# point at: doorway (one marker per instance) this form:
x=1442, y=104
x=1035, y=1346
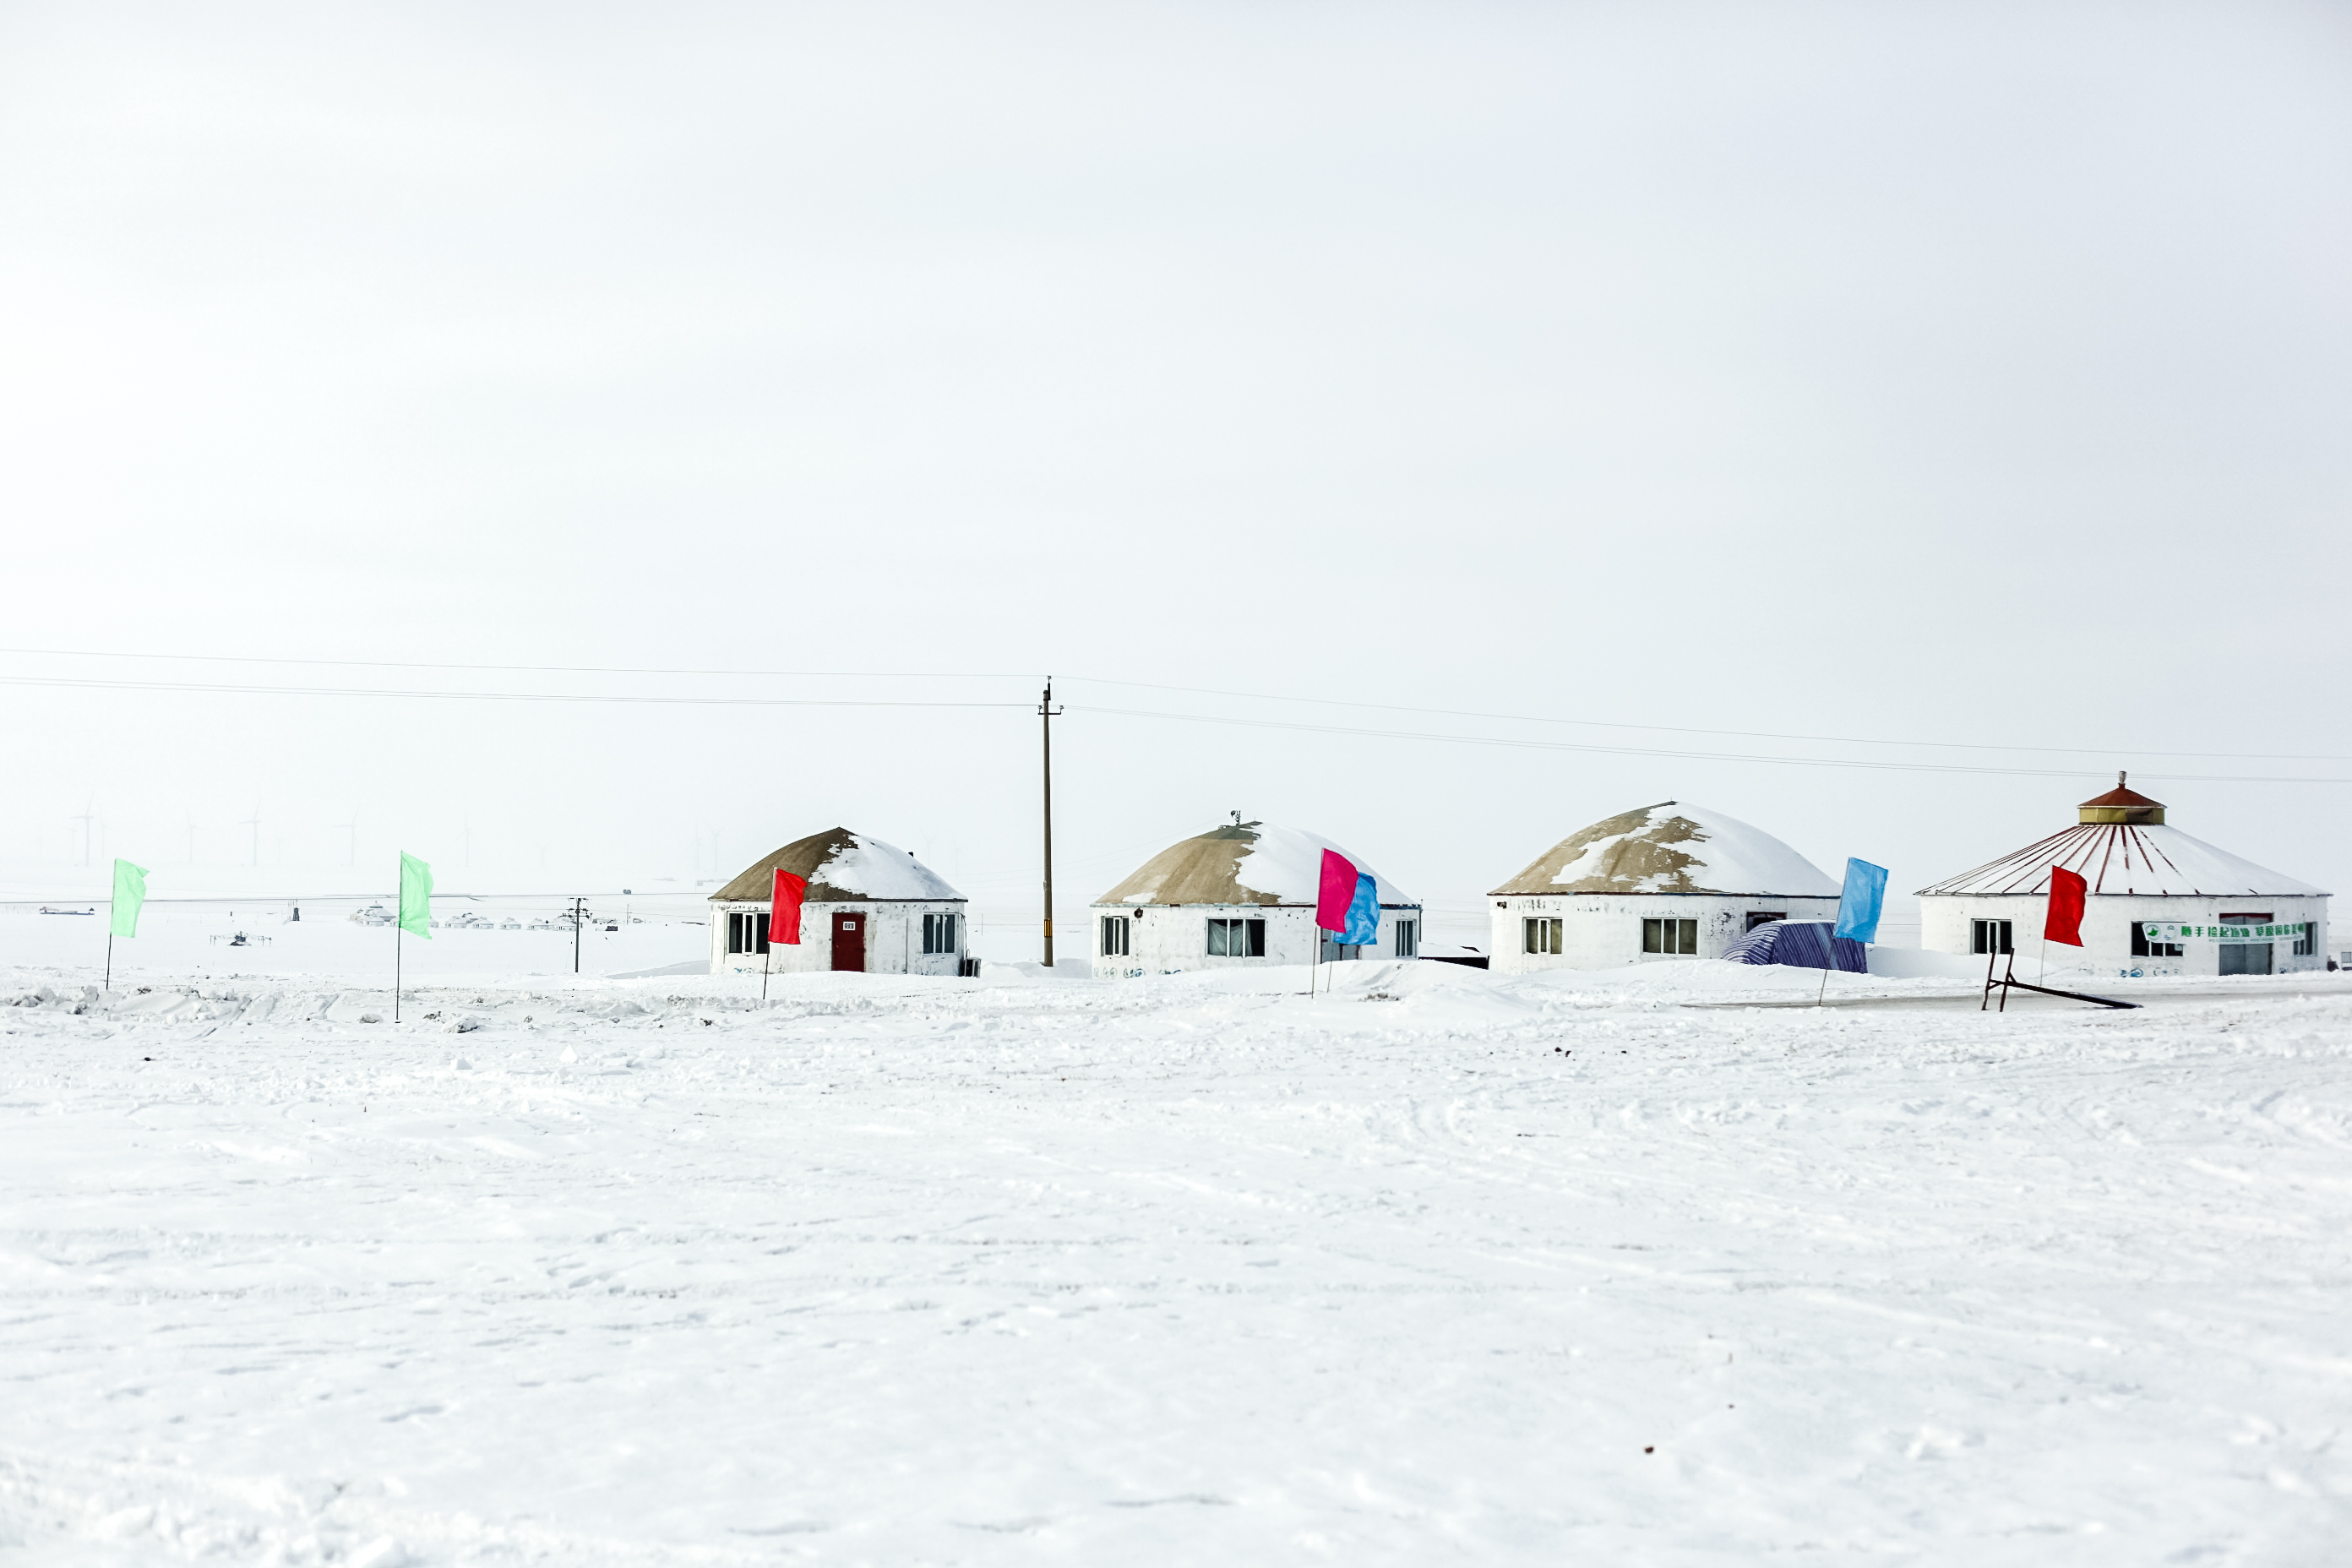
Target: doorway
x=2245, y=958
x=849, y=942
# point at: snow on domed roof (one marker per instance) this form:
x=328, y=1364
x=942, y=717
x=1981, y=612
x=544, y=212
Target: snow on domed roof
x=2118, y=857
x=1672, y=848
x=1242, y=863
x=842, y=867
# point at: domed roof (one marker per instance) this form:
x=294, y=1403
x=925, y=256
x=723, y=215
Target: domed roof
x=1672, y=848
x=2139, y=858
x=1242, y=863
x=842, y=867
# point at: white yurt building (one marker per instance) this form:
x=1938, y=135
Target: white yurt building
x=871, y=908
x=1664, y=881
x=1238, y=897
x=2140, y=869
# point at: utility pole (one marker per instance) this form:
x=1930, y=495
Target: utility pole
x=578, y=917
x=1045, y=712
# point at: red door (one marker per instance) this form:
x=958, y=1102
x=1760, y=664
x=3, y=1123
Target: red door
x=849, y=942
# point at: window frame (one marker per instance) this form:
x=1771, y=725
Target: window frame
x=941, y=932
x=1224, y=929
x=1669, y=936
x=1983, y=931
x=1408, y=938
x=1114, y=936
x=1543, y=935
x=747, y=933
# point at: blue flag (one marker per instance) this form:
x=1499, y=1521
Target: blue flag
x=1363, y=913
x=1865, y=895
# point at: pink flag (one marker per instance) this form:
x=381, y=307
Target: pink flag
x=1338, y=891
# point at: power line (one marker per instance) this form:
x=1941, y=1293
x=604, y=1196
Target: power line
x=538, y=668
x=1688, y=757
x=486, y=695
x=77, y=683
x=1022, y=675
x=1729, y=734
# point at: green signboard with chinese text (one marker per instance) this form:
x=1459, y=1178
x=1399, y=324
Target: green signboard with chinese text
x=2178, y=931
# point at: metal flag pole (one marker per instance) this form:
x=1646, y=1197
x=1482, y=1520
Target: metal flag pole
x=398, y=931
x=109, y=948
x=576, y=904
x=767, y=945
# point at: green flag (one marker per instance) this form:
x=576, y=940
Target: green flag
x=130, y=896
x=416, y=896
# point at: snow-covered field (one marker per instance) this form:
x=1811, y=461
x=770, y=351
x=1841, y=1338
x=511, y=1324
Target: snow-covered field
x=1437, y=1268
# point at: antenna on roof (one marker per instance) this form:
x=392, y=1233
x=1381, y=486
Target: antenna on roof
x=2120, y=776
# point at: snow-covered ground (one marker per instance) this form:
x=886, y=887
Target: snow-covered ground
x=1195, y=1269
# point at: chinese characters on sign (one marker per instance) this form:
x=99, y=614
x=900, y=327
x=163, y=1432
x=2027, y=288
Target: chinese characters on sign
x=2174, y=931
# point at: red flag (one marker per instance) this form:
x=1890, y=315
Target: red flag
x=2066, y=919
x=784, y=919
x=1337, y=892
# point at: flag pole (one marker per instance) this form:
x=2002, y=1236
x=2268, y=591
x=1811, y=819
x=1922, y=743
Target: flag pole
x=766, y=946
x=109, y=948
x=398, y=931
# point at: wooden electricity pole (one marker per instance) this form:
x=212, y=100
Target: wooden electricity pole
x=1045, y=712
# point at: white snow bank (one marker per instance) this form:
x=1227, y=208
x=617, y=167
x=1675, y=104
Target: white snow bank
x=1435, y=1266
x=1918, y=963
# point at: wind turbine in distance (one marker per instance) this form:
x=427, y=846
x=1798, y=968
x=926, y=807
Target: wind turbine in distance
x=254, y=822
x=192, y=838
x=86, y=817
x=352, y=845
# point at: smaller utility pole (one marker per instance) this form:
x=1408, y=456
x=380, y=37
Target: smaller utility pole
x=579, y=907
x=1046, y=712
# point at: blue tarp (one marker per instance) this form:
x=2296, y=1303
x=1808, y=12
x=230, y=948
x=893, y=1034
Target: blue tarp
x=1801, y=944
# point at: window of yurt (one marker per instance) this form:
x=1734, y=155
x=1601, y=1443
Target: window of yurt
x=939, y=934
x=747, y=933
x=1544, y=935
x=1408, y=939
x=2307, y=943
x=1114, y=936
x=2143, y=948
x=1760, y=917
x=1236, y=938
x=1670, y=936
x=1988, y=936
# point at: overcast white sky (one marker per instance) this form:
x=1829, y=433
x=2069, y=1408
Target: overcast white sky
x=1972, y=373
